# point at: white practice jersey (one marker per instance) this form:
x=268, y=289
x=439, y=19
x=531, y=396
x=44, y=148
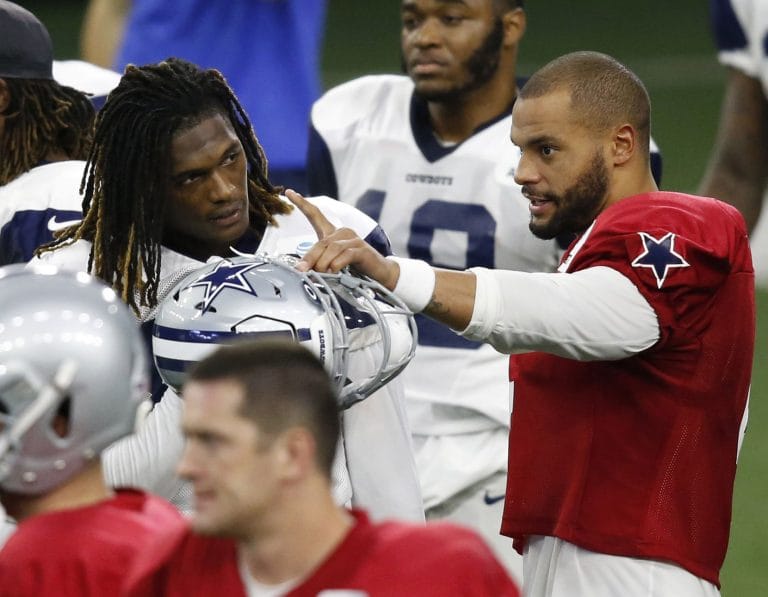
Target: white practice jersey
x=741, y=28
x=89, y=78
x=376, y=435
x=35, y=205
x=453, y=206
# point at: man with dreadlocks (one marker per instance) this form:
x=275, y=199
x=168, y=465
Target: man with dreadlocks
x=45, y=133
x=176, y=176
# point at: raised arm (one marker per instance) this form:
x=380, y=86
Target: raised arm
x=102, y=30
x=738, y=168
x=594, y=314
x=445, y=295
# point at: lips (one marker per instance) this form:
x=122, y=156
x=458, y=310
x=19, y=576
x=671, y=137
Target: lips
x=203, y=497
x=226, y=216
x=426, y=65
x=538, y=204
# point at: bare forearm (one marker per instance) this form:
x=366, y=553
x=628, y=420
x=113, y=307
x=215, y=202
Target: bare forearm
x=738, y=169
x=453, y=299
x=102, y=30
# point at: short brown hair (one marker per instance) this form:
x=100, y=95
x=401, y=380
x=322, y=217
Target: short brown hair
x=604, y=92
x=284, y=385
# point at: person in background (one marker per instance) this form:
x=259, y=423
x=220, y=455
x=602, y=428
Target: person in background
x=45, y=134
x=738, y=167
x=177, y=177
x=245, y=40
x=261, y=427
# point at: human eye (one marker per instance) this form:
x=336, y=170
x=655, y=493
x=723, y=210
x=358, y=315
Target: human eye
x=189, y=178
x=209, y=441
x=231, y=157
x=547, y=151
x=452, y=20
x=409, y=21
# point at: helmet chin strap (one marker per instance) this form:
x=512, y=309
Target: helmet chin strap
x=48, y=395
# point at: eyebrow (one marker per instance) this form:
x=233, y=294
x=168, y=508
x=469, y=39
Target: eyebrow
x=540, y=140
x=235, y=145
x=411, y=6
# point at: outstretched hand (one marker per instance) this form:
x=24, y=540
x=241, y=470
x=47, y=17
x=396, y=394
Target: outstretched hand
x=342, y=247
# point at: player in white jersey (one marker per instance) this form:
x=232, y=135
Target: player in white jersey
x=738, y=166
x=428, y=156
x=205, y=194
x=89, y=78
x=45, y=132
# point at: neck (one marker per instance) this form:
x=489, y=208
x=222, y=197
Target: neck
x=633, y=183
x=298, y=538
x=455, y=119
x=56, y=155
x=84, y=489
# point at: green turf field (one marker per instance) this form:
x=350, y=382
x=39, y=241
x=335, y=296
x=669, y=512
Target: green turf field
x=668, y=45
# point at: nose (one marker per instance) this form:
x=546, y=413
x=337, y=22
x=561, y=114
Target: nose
x=526, y=171
x=186, y=468
x=221, y=188
x=427, y=34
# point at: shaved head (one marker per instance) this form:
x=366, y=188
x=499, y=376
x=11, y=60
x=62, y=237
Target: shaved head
x=604, y=92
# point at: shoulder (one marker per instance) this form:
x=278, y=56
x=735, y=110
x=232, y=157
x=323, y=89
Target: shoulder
x=55, y=185
x=356, y=99
x=72, y=257
x=152, y=509
x=85, y=76
x=338, y=213
x=678, y=212
x=174, y=565
x=739, y=27
x=343, y=214
x=667, y=242
x=464, y=560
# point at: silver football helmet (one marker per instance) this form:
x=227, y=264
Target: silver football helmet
x=259, y=295
x=68, y=345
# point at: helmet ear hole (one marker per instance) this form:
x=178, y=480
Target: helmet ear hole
x=201, y=307
x=62, y=421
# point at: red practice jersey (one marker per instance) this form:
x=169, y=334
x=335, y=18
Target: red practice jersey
x=83, y=552
x=637, y=457
x=380, y=560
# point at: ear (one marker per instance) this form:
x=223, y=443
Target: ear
x=514, y=23
x=295, y=451
x=5, y=96
x=624, y=144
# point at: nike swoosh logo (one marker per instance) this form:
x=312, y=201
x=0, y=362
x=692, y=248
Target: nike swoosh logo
x=492, y=499
x=55, y=226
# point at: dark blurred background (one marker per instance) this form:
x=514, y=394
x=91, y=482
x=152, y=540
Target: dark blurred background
x=668, y=44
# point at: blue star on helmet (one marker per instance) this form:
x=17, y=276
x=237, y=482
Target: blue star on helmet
x=659, y=255
x=225, y=275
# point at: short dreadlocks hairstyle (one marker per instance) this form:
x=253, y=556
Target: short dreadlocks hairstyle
x=127, y=177
x=43, y=116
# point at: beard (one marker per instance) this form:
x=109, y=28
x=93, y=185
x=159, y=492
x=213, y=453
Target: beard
x=577, y=206
x=480, y=67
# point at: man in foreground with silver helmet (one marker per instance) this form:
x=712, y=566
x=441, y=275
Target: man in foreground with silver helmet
x=177, y=177
x=73, y=379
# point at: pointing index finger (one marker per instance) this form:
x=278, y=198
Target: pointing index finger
x=319, y=222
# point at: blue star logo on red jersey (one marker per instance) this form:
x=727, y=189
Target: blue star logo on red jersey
x=659, y=255
x=225, y=275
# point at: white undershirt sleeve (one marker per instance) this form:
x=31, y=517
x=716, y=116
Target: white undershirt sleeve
x=148, y=458
x=592, y=314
